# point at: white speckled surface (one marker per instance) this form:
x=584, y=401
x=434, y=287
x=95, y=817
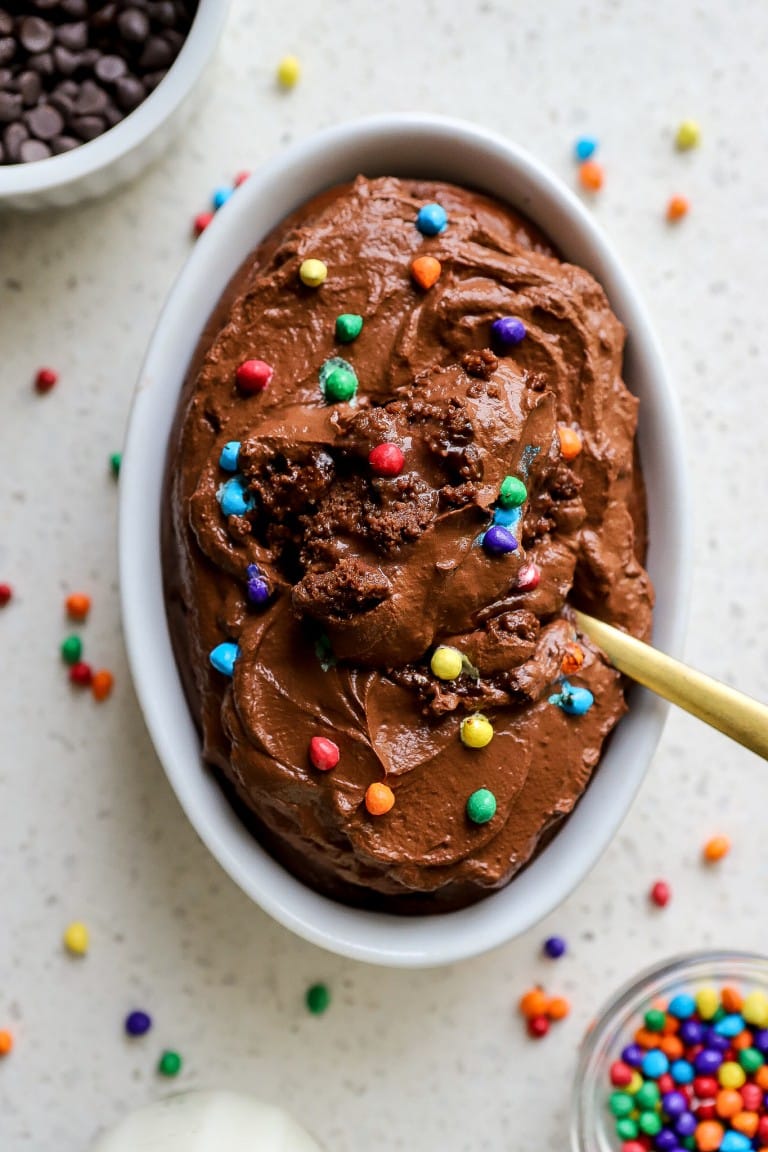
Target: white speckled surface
x=90, y=829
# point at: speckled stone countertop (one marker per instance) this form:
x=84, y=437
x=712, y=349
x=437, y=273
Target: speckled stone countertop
x=90, y=828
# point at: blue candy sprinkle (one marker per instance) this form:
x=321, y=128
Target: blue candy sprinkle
x=735, y=1142
x=498, y=541
x=585, y=147
x=555, y=947
x=507, y=332
x=682, y=1006
x=234, y=497
x=574, y=701
x=655, y=1064
x=681, y=1072
x=507, y=517
x=432, y=220
x=229, y=455
x=223, y=657
x=730, y=1025
x=220, y=197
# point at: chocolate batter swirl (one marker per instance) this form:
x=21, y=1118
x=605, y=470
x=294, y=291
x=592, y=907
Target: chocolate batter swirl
x=368, y=573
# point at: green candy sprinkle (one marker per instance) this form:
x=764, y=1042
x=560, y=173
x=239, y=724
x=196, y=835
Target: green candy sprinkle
x=348, y=327
x=318, y=999
x=512, y=492
x=621, y=1104
x=655, y=1020
x=647, y=1095
x=481, y=806
x=115, y=461
x=689, y=1143
x=649, y=1123
x=169, y=1063
x=338, y=380
x=71, y=649
x=627, y=1129
x=750, y=1059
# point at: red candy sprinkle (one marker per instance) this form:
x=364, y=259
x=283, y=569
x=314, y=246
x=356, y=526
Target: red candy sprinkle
x=632, y=1146
x=621, y=1074
x=254, y=376
x=81, y=674
x=201, y=222
x=666, y=1084
x=706, y=1111
x=528, y=577
x=386, y=460
x=538, y=1026
x=752, y=1096
x=46, y=379
x=6, y=594
x=661, y=893
x=323, y=753
x=241, y=178
x=762, y=1131
x=706, y=1087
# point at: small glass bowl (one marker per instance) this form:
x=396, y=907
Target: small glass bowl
x=592, y=1124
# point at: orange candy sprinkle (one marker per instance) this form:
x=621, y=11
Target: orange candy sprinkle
x=6, y=1042
x=677, y=207
x=731, y=999
x=558, y=1008
x=646, y=1038
x=78, y=605
x=379, y=799
x=534, y=1002
x=591, y=175
x=716, y=848
x=570, y=442
x=709, y=1135
x=102, y=683
x=743, y=1040
x=426, y=271
x=573, y=659
x=728, y=1102
x=745, y=1122
x=761, y=1077
x=672, y=1047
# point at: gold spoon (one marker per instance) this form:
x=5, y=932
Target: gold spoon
x=731, y=712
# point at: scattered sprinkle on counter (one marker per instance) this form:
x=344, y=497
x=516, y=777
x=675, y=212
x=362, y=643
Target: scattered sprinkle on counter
x=585, y=148
x=539, y=1010
x=220, y=196
x=71, y=649
x=318, y=999
x=45, y=380
x=137, y=1023
x=677, y=208
x=555, y=947
x=323, y=753
x=481, y=806
x=170, y=1063
x=379, y=799
x=660, y=893
x=591, y=176
x=313, y=273
x=253, y=376
x=288, y=72
x=476, y=731
x=102, y=683
x=716, y=848
x=688, y=135
x=81, y=674
x=6, y=1042
x=201, y=222
x=115, y=460
x=76, y=938
x=432, y=220
x=426, y=271
x=77, y=605
x=386, y=460
x=6, y=594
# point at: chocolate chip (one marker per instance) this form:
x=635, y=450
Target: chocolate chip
x=76, y=8
x=91, y=99
x=110, y=68
x=13, y=138
x=62, y=103
x=7, y=49
x=6, y=23
x=129, y=93
x=113, y=115
x=42, y=63
x=33, y=150
x=88, y=127
x=163, y=12
x=36, y=34
x=152, y=79
x=104, y=17
x=73, y=36
x=133, y=25
x=10, y=107
x=29, y=86
x=157, y=53
x=64, y=144
x=44, y=122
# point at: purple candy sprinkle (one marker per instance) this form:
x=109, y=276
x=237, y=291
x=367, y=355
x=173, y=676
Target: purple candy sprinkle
x=691, y=1032
x=633, y=1055
x=507, y=333
x=555, y=947
x=685, y=1125
x=257, y=588
x=137, y=1023
x=498, y=540
x=760, y=1039
x=715, y=1041
x=674, y=1104
x=666, y=1141
x=707, y=1061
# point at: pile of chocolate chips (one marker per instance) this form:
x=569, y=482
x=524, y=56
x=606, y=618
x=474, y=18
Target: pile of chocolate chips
x=71, y=69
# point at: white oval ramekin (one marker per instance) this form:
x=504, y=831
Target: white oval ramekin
x=122, y=152
x=427, y=147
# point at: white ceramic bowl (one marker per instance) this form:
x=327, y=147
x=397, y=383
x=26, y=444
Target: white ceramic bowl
x=123, y=151
x=434, y=148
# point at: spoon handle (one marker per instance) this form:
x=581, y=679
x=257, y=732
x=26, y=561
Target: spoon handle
x=731, y=712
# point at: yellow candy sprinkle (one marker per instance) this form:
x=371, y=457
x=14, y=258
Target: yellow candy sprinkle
x=707, y=1002
x=446, y=662
x=288, y=72
x=755, y=1009
x=476, y=731
x=76, y=938
x=731, y=1075
x=635, y=1084
x=313, y=273
x=688, y=135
